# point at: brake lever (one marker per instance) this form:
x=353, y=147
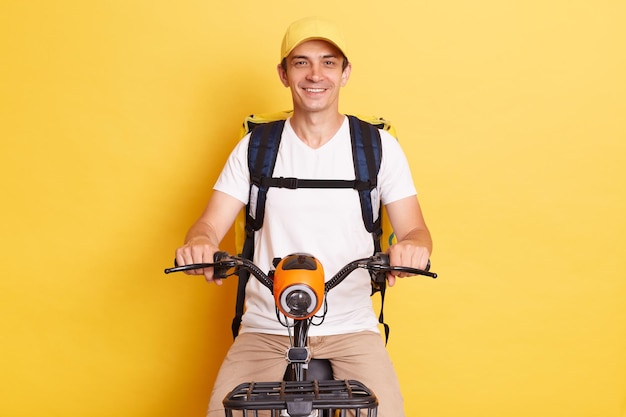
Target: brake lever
x=415, y=271
x=181, y=268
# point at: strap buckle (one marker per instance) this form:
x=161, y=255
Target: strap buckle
x=291, y=183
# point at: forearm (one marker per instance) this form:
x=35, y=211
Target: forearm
x=414, y=242
x=201, y=231
x=408, y=224
x=216, y=220
x=204, y=236
x=419, y=237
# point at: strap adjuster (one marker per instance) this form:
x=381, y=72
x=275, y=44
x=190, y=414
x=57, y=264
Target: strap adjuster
x=280, y=182
x=291, y=183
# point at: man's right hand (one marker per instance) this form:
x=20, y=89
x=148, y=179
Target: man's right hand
x=198, y=250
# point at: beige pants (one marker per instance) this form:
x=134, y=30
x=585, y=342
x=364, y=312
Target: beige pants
x=359, y=356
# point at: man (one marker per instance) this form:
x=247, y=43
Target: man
x=327, y=223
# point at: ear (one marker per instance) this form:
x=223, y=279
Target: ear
x=345, y=76
x=282, y=74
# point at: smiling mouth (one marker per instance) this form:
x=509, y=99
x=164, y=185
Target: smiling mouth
x=314, y=90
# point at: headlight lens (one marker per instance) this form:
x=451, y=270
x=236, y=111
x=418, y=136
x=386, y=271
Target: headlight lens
x=298, y=301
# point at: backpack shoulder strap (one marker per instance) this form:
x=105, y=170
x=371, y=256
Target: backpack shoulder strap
x=367, y=156
x=262, y=153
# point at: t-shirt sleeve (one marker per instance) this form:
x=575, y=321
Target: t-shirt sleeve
x=395, y=181
x=234, y=179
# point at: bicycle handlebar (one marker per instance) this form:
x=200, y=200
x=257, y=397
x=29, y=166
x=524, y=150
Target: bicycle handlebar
x=378, y=265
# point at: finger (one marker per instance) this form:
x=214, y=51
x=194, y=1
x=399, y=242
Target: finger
x=207, y=257
x=422, y=259
x=183, y=257
x=399, y=256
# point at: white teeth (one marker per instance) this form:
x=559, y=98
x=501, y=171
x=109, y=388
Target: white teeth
x=314, y=90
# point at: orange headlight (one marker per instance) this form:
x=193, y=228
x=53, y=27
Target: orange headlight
x=299, y=286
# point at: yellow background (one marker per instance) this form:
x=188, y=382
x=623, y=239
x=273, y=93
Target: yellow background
x=116, y=117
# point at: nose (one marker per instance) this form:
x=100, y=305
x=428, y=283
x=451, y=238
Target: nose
x=315, y=74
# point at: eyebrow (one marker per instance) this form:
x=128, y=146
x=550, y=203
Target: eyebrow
x=308, y=58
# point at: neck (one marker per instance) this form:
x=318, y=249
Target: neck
x=316, y=129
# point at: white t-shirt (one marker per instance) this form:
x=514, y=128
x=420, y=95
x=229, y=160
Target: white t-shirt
x=326, y=223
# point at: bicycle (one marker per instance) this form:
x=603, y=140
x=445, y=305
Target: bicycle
x=308, y=388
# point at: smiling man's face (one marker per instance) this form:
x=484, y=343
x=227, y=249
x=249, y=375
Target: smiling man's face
x=314, y=72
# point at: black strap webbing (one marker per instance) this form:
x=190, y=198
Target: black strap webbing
x=293, y=183
x=243, y=276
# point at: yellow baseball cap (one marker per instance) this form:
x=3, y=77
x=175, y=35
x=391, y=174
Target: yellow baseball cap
x=311, y=28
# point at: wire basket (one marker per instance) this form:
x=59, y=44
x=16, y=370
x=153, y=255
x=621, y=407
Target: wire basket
x=301, y=399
